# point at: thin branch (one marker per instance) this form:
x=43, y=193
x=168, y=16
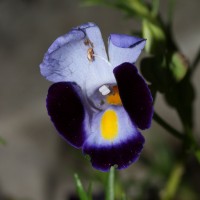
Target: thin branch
x=169, y=128
x=196, y=61
x=155, y=7
x=171, y=11
x=173, y=182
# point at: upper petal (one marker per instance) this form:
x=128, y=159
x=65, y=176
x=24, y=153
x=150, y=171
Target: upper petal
x=113, y=140
x=135, y=94
x=124, y=48
x=67, y=59
x=67, y=112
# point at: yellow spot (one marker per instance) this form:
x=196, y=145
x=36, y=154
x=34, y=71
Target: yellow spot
x=114, y=97
x=109, y=125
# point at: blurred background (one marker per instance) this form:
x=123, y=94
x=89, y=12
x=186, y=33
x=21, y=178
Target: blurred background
x=35, y=163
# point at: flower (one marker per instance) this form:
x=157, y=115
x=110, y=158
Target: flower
x=97, y=104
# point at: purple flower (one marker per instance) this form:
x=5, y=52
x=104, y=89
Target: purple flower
x=97, y=104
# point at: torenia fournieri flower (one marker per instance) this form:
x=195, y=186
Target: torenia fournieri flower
x=97, y=104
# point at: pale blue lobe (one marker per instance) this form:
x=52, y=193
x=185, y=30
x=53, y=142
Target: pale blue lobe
x=124, y=48
x=67, y=59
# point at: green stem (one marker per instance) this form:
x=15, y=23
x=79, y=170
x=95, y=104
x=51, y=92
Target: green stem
x=169, y=128
x=187, y=138
x=174, y=180
x=171, y=11
x=2, y=141
x=196, y=61
x=110, y=184
x=155, y=7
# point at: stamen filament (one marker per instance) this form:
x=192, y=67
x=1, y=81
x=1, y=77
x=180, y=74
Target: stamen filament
x=95, y=55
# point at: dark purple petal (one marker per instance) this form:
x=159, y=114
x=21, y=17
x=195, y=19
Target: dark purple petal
x=135, y=94
x=119, y=155
x=66, y=111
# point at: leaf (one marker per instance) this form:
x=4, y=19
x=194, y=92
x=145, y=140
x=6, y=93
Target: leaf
x=80, y=190
x=89, y=191
x=155, y=36
x=181, y=96
x=155, y=71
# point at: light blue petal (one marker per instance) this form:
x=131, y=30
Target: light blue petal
x=99, y=75
x=67, y=58
x=124, y=48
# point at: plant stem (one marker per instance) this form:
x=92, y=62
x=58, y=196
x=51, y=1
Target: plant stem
x=155, y=7
x=110, y=184
x=171, y=11
x=196, y=61
x=169, y=128
x=2, y=141
x=172, y=185
x=174, y=180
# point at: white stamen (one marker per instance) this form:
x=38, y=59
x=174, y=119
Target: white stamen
x=104, y=90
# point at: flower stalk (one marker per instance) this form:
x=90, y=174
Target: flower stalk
x=173, y=182
x=110, y=193
x=166, y=126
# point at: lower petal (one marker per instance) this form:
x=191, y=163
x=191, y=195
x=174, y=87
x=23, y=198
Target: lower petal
x=67, y=113
x=114, y=140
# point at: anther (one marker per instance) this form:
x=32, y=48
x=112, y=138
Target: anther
x=90, y=54
x=104, y=90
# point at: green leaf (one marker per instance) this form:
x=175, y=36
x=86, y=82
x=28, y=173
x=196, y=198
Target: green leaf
x=181, y=95
x=89, y=192
x=155, y=36
x=155, y=71
x=79, y=187
x=139, y=7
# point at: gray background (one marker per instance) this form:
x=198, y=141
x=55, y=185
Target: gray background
x=36, y=164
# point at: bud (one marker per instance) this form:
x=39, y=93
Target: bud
x=178, y=66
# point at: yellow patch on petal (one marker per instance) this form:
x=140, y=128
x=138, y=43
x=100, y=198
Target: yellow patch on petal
x=114, y=97
x=109, y=125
